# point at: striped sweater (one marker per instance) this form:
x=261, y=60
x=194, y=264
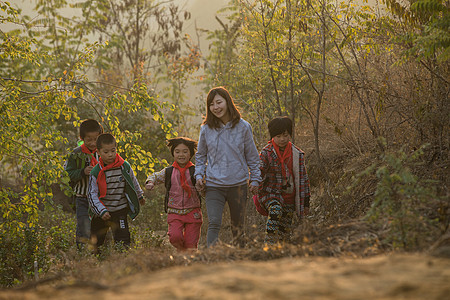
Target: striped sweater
x=122, y=191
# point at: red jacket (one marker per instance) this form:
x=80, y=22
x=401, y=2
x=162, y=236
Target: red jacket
x=272, y=181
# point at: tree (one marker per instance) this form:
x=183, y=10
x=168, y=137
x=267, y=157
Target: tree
x=427, y=34
x=146, y=44
x=33, y=149
x=142, y=41
x=275, y=53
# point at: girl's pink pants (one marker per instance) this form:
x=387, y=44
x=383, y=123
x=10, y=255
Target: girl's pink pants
x=184, y=230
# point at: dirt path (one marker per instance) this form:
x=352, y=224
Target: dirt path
x=381, y=277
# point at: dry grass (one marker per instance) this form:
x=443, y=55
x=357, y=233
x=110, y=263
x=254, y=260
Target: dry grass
x=352, y=239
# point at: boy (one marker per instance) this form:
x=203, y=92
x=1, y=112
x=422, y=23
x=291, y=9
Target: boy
x=78, y=165
x=182, y=202
x=285, y=185
x=113, y=193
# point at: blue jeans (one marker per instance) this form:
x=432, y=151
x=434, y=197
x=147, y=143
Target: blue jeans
x=83, y=232
x=215, y=199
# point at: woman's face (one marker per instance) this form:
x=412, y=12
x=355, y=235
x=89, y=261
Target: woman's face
x=219, y=108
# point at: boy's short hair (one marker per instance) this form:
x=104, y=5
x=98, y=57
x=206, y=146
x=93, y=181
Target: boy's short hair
x=190, y=143
x=90, y=125
x=105, y=139
x=280, y=125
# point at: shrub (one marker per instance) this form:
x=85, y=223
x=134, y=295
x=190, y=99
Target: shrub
x=43, y=243
x=18, y=253
x=402, y=200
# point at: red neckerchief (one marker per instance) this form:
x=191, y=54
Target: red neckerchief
x=184, y=184
x=101, y=177
x=283, y=158
x=86, y=150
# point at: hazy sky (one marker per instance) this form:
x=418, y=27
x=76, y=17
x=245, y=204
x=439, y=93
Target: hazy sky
x=202, y=14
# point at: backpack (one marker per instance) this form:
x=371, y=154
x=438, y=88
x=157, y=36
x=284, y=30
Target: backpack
x=168, y=183
x=259, y=207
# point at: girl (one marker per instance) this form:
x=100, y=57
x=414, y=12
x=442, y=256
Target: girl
x=182, y=202
x=285, y=187
x=226, y=152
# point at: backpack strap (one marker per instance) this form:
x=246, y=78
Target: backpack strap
x=192, y=172
x=167, y=184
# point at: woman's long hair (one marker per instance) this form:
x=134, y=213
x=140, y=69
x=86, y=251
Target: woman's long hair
x=211, y=119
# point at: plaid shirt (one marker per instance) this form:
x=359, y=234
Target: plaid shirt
x=272, y=179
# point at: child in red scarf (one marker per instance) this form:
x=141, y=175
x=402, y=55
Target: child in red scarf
x=285, y=184
x=182, y=202
x=113, y=193
x=78, y=165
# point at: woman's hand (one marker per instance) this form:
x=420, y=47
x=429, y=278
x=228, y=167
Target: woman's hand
x=199, y=185
x=254, y=189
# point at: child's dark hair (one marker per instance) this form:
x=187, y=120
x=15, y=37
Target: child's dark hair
x=190, y=143
x=280, y=125
x=105, y=139
x=212, y=120
x=90, y=125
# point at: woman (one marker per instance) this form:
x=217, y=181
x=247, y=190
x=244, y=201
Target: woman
x=226, y=153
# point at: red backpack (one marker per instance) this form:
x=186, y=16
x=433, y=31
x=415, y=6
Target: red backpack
x=259, y=208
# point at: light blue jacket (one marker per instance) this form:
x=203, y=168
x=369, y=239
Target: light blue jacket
x=225, y=155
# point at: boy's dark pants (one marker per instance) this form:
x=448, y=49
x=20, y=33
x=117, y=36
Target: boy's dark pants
x=118, y=224
x=83, y=222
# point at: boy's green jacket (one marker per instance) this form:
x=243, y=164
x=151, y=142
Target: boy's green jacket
x=130, y=191
x=75, y=164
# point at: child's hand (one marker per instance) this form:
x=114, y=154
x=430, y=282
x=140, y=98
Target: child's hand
x=106, y=216
x=199, y=185
x=142, y=201
x=88, y=170
x=149, y=185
